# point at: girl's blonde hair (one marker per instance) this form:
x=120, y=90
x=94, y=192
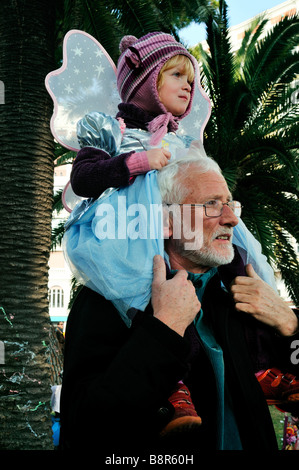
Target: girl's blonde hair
x=174, y=61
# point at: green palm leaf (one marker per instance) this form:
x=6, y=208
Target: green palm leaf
x=252, y=132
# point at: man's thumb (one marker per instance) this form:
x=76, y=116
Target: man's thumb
x=251, y=272
x=159, y=270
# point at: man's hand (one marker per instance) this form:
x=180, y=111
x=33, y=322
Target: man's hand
x=157, y=158
x=174, y=301
x=254, y=296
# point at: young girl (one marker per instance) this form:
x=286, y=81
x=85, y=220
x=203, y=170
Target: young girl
x=156, y=81
x=134, y=139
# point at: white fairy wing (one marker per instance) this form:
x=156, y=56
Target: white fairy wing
x=85, y=82
x=194, y=124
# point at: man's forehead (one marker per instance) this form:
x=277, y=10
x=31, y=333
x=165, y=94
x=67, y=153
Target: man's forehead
x=205, y=186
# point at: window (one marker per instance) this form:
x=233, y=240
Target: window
x=56, y=297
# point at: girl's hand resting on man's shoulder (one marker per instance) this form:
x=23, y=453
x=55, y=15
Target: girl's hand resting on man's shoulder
x=157, y=158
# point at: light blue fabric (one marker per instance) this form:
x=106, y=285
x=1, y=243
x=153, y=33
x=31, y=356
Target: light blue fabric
x=111, y=247
x=121, y=268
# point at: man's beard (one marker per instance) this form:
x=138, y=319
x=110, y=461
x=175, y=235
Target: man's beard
x=207, y=256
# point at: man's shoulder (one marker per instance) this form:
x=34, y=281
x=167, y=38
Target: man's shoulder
x=93, y=308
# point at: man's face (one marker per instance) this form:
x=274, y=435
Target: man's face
x=215, y=246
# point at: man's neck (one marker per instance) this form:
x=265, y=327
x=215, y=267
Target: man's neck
x=177, y=261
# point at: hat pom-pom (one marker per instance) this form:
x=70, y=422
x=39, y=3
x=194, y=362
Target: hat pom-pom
x=126, y=42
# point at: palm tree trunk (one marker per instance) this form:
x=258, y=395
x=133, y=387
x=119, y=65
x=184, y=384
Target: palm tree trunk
x=26, y=186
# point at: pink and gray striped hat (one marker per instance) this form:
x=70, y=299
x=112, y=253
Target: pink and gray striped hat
x=137, y=72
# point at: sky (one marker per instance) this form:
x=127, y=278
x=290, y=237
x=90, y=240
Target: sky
x=238, y=11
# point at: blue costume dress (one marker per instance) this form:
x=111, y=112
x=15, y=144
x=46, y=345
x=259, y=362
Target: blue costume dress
x=110, y=242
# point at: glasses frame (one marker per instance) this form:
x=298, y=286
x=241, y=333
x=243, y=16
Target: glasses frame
x=205, y=206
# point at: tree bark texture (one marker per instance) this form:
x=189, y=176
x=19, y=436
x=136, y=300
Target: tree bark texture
x=26, y=189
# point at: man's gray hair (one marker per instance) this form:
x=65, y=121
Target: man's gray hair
x=171, y=177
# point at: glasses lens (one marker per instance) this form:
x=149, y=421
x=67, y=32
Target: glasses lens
x=214, y=208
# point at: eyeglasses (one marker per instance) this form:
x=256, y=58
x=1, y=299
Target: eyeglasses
x=214, y=208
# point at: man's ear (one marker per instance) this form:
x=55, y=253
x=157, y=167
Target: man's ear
x=167, y=224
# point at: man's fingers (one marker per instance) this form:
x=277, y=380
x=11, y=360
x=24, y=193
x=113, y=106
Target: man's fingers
x=159, y=270
x=242, y=297
x=244, y=307
x=248, y=280
x=182, y=273
x=243, y=281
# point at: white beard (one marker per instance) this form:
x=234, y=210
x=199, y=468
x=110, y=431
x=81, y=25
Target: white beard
x=207, y=256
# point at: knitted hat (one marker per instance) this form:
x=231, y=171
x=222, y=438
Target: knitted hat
x=137, y=72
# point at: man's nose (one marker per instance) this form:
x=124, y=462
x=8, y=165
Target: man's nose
x=228, y=217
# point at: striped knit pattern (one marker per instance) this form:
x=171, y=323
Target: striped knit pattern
x=139, y=61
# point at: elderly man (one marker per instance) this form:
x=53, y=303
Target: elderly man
x=117, y=380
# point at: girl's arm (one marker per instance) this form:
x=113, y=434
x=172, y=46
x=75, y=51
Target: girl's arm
x=94, y=170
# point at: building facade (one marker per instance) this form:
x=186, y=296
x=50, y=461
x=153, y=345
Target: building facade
x=60, y=276
x=274, y=15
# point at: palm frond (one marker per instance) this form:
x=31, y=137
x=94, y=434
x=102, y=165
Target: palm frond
x=57, y=202
x=264, y=65
x=287, y=262
x=62, y=156
x=253, y=130
x=249, y=41
x=57, y=235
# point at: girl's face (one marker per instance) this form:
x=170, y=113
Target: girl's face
x=174, y=92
